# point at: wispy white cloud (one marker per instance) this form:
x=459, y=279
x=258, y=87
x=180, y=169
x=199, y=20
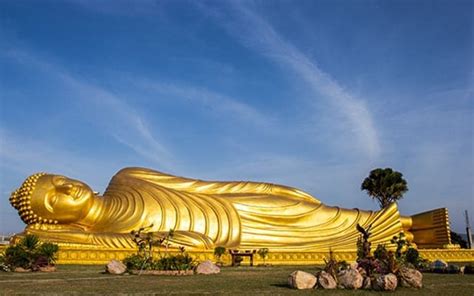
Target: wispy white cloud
x=25, y=155
x=111, y=112
x=223, y=105
x=255, y=32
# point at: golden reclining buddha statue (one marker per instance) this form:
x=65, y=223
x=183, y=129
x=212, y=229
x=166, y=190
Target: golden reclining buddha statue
x=206, y=214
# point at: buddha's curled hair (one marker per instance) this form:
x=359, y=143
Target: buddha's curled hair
x=20, y=199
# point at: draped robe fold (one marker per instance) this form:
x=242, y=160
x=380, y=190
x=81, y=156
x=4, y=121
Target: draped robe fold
x=237, y=214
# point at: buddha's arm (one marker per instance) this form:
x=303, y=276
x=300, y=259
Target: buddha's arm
x=63, y=234
x=69, y=234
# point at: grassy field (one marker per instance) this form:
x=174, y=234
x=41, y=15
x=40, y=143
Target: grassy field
x=80, y=280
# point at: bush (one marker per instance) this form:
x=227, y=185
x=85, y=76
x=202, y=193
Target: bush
x=263, y=253
x=49, y=251
x=143, y=259
x=469, y=269
x=135, y=262
x=30, y=253
x=169, y=262
x=218, y=252
x=332, y=266
x=381, y=253
x=16, y=256
x=3, y=265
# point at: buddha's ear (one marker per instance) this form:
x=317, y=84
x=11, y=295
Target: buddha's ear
x=48, y=206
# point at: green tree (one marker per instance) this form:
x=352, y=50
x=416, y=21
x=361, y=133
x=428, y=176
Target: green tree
x=385, y=185
x=457, y=239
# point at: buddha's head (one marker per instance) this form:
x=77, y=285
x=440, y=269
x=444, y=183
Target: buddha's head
x=48, y=199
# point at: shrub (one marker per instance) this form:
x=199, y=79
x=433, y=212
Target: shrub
x=30, y=242
x=332, y=266
x=49, y=251
x=143, y=259
x=16, y=256
x=30, y=253
x=469, y=269
x=238, y=259
x=263, y=253
x=412, y=256
x=218, y=252
x=401, y=243
x=175, y=262
x=3, y=265
x=135, y=262
x=381, y=253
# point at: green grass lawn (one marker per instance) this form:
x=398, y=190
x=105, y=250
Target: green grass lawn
x=82, y=279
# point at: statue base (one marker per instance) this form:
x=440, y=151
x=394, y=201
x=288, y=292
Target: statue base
x=81, y=255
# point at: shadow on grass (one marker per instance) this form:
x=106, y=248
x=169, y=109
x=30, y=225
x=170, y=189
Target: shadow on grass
x=280, y=286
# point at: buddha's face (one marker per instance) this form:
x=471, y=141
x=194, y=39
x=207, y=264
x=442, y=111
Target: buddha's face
x=62, y=199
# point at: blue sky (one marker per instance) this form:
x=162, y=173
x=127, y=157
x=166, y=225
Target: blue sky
x=311, y=94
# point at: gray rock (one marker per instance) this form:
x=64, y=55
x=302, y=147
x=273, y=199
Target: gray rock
x=207, y=267
x=21, y=269
x=326, y=281
x=47, y=268
x=386, y=282
x=302, y=280
x=411, y=278
x=350, y=279
x=115, y=267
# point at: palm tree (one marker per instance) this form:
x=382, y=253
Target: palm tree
x=49, y=251
x=385, y=185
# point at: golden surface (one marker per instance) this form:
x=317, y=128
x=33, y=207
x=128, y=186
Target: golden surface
x=245, y=215
x=75, y=255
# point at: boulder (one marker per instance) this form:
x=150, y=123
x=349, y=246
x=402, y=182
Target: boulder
x=326, y=281
x=47, y=268
x=207, y=267
x=362, y=271
x=21, y=269
x=350, y=279
x=115, y=267
x=386, y=282
x=302, y=280
x=410, y=277
x=438, y=266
